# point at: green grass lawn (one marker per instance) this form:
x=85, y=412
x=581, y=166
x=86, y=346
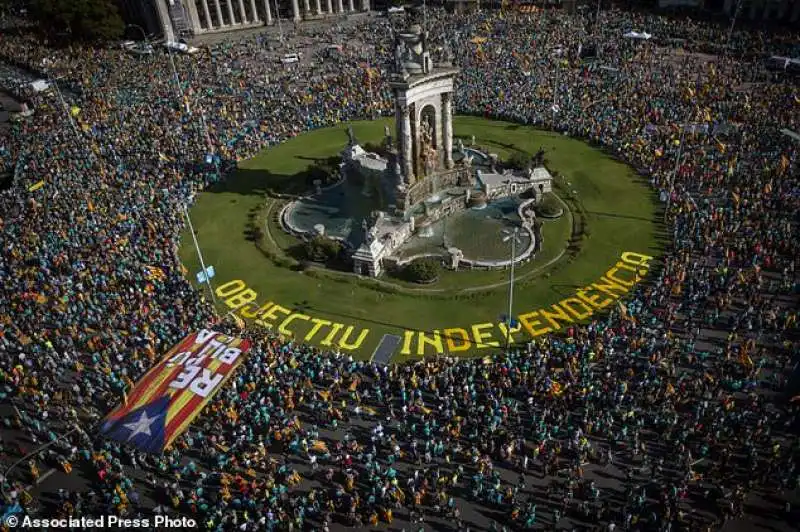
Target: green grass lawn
x=607, y=197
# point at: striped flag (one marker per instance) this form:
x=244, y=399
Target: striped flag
x=169, y=396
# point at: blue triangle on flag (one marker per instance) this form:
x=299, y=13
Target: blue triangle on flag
x=144, y=428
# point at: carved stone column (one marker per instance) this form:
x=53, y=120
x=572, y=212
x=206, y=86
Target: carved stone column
x=339, y=6
x=194, y=20
x=330, y=7
x=364, y=5
x=164, y=20
x=207, y=13
x=253, y=11
x=267, y=13
x=295, y=11
x=220, y=20
x=447, y=129
x=319, y=7
x=406, y=145
x=243, y=13
x=230, y=12
x=306, y=8
x=352, y=6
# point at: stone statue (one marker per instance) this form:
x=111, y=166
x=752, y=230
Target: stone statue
x=427, y=150
x=399, y=52
x=460, y=146
x=455, y=258
x=351, y=136
x=410, y=51
x=386, y=133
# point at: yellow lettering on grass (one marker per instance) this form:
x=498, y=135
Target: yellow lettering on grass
x=637, y=259
x=435, y=341
x=245, y=313
x=612, y=275
x=230, y=288
x=533, y=326
x=576, y=307
x=241, y=298
x=508, y=334
x=557, y=314
x=328, y=340
x=450, y=335
x=272, y=314
x=480, y=333
x=318, y=324
x=408, y=336
x=608, y=287
x=345, y=344
x=593, y=299
x=283, y=327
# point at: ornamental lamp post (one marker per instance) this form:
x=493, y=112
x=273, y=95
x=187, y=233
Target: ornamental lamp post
x=511, y=235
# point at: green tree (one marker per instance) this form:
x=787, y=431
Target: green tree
x=519, y=160
x=549, y=207
x=422, y=270
x=321, y=249
x=89, y=20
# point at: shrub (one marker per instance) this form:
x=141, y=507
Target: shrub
x=549, y=207
x=376, y=147
x=321, y=249
x=518, y=160
x=422, y=271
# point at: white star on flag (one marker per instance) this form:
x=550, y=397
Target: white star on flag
x=142, y=426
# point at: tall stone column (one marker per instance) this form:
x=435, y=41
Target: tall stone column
x=220, y=20
x=295, y=11
x=230, y=12
x=253, y=11
x=267, y=13
x=319, y=7
x=364, y=5
x=306, y=8
x=207, y=13
x=242, y=12
x=447, y=129
x=352, y=6
x=339, y=7
x=406, y=145
x=166, y=22
x=330, y=7
x=194, y=20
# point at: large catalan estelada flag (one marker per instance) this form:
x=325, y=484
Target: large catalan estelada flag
x=162, y=404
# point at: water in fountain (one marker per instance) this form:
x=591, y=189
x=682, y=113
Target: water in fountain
x=475, y=231
x=340, y=209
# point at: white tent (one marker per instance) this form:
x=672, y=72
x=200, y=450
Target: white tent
x=40, y=85
x=636, y=35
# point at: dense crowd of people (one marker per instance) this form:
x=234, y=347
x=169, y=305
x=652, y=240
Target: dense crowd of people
x=680, y=394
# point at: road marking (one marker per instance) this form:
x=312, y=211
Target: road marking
x=41, y=479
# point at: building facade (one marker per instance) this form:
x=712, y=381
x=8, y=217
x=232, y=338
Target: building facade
x=754, y=10
x=176, y=18
x=775, y=10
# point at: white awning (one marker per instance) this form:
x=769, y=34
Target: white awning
x=790, y=133
x=636, y=35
